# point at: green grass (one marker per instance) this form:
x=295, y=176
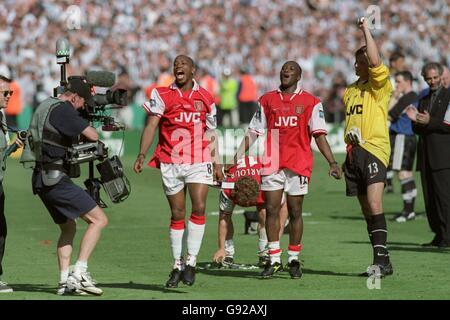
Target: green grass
x=133, y=258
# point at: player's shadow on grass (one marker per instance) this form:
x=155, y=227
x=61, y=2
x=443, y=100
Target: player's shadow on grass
x=27, y=287
x=204, y=267
x=140, y=286
x=329, y=273
x=419, y=215
x=347, y=217
x=404, y=246
x=418, y=249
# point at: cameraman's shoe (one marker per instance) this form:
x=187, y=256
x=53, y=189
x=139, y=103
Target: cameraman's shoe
x=174, y=278
x=4, y=288
x=295, y=269
x=64, y=290
x=83, y=282
x=271, y=269
x=189, y=275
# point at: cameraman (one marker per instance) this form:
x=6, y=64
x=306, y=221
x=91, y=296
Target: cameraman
x=5, y=94
x=55, y=126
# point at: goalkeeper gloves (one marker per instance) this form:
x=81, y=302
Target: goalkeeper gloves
x=353, y=136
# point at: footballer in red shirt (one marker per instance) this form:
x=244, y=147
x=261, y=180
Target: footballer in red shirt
x=230, y=195
x=185, y=115
x=290, y=117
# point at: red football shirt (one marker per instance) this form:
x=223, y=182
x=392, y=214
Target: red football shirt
x=290, y=121
x=184, y=118
x=245, y=167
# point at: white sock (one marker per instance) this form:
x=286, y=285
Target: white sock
x=262, y=242
x=191, y=260
x=229, y=248
x=176, y=242
x=80, y=266
x=178, y=264
x=195, y=237
x=63, y=275
x=274, y=252
x=294, y=252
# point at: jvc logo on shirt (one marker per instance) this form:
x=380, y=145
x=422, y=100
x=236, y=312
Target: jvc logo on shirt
x=290, y=121
x=187, y=117
x=355, y=109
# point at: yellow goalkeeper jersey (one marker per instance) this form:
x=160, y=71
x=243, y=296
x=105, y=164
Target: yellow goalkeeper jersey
x=366, y=107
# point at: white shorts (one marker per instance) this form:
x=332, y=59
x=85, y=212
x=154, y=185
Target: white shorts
x=292, y=183
x=175, y=176
x=227, y=205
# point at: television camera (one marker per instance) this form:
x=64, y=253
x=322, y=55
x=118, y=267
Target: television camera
x=112, y=176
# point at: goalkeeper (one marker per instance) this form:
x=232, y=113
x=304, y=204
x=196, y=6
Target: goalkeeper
x=242, y=187
x=368, y=148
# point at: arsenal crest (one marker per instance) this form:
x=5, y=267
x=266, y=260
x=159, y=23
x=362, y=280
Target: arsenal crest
x=299, y=109
x=198, y=105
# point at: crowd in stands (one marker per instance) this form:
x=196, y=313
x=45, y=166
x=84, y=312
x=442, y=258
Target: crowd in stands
x=140, y=38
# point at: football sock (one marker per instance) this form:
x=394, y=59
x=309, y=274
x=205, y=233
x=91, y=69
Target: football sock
x=176, y=241
x=80, y=267
x=229, y=248
x=274, y=252
x=178, y=264
x=262, y=242
x=63, y=275
x=379, y=238
x=191, y=260
x=294, y=252
x=409, y=193
x=196, y=229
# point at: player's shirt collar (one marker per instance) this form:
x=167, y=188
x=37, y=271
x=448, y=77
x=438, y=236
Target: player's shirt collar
x=297, y=91
x=174, y=86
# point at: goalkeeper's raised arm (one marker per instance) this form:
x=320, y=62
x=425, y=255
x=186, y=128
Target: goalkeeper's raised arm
x=373, y=56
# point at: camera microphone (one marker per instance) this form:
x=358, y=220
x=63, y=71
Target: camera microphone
x=62, y=51
x=62, y=58
x=101, y=78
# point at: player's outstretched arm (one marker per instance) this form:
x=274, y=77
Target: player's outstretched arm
x=224, y=221
x=147, y=137
x=372, y=51
x=335, y=171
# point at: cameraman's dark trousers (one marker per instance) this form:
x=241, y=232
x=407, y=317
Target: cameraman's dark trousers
x=3, y=229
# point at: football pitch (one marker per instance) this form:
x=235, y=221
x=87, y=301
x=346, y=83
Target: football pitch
x=133, y=258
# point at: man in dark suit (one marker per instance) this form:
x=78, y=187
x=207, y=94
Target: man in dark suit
x=432, y=123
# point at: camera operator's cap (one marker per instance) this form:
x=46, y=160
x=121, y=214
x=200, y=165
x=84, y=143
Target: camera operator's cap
x=80, y=86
